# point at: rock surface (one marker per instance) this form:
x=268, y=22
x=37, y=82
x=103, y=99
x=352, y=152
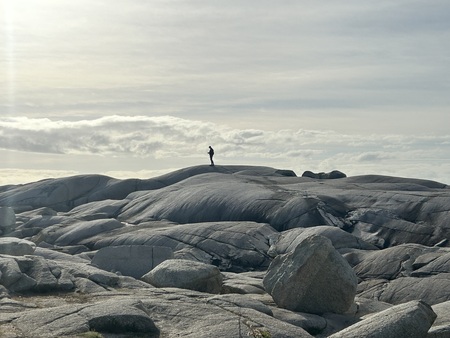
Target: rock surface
x=131, y=260
x=7, y=220
x=78, y=245
x=184, y=274
x=16, y=246
x=314, y=278
x=408, y=320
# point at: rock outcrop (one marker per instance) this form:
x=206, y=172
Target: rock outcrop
x=131, y=260
x=7, y=220
x=282, y=255
x=408, y=320
x=314, y=278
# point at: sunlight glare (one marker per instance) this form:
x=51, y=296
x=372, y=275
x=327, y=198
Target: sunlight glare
x=8, y=30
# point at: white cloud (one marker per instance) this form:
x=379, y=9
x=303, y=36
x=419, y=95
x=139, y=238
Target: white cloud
x=127, y=143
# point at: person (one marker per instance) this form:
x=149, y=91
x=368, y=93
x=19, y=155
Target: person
x=211, y=154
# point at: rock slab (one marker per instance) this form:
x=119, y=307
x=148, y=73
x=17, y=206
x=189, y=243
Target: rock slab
x=314, y=278
x=16, y=247
x=131, y=260
x=185, y=274
x=408, y=320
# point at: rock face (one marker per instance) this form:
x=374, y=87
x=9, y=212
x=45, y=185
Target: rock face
x=16, y=246
x=232, y=246
x=77, y=246
x=7, y=219
x=118, y=316
x=314, y=278
x=131, y=260
x=408, y=320
x=184, y=274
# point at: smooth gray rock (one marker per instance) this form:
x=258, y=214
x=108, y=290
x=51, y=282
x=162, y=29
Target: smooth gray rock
x=7, y=220
x=441, y=326
x=116, y=316
x=78, y=231
x=391, y=263
x=408, y=320
x=16, y=246
x=174, y=318
x=314, y=278
x=383, y=211
x=176, y=312
x=241, y=283
x=131, y=260
x=288, y=240
x=185, y=274
x=442, y=311
x=433, y=290
x=232, y=246
x=439, y=265
x=311, y=323
x=241, y=301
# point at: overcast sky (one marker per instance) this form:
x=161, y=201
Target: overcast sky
x=133, y=88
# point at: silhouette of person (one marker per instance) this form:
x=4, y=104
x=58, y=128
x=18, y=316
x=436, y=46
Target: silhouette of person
x=211, y=154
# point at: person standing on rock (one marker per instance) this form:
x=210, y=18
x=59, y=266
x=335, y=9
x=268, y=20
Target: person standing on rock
x=211, y=154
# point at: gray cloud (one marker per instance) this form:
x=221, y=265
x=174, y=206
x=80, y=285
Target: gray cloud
x=139, y=79
x=218, y=61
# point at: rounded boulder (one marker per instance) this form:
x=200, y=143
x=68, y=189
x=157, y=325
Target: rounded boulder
x=185, y=274
x=314, y=278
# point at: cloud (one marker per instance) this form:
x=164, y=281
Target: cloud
x=180, y=142
x=318, y=64
x=20, y=175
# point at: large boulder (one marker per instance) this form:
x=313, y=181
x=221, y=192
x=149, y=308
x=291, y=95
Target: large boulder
x=185, y=274
x=408, y=320
x=16, y=246
x=314, y=278
x=131, y=260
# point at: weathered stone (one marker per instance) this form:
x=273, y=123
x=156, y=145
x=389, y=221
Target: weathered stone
x=441, y=326
x=242, y=283
x=311, y=323
x=408, y=320
x=185, y=274
x=314, y=278
x=116, y=316
x=131, y=260
x=391, y=263
x=433, y=290
x=288, y=240
x=79, y=231
x=439, y=265
x=240, y=301
x=7, y=219
x=16, y=246
x=232, y=246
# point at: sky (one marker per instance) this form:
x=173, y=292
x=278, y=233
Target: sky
x=132, y=88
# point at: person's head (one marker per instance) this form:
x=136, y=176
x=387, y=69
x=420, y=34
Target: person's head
x=210, y=146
